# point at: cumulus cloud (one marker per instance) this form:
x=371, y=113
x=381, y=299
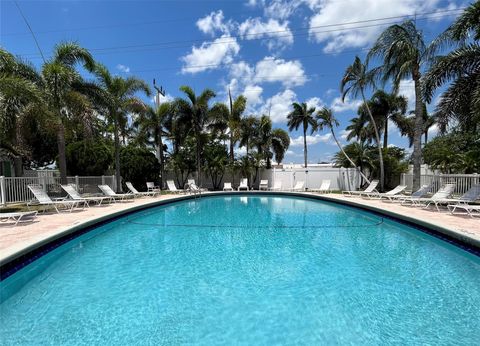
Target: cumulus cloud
x=253, y=93
x=407, y=89
x=278, y=33
x=311, y=140
x=329, y=12
x=210, y=54
x=315, y=102
x=123, y=68
x=166, y=98
x=349, y=105
x=289, y=73
x=212, y=23
x=279, y=105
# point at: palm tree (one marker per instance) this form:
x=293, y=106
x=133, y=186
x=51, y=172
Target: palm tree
x=280, y=144
x=119, y=100
x=302, y=115
x=461, y=100
x=248, y=132
x=403, y=52
x=356, y=154
x=354, y=81
x=152, y=124
x=195, y=110
x=326, y=119
x=360, y=129
x=61, y=84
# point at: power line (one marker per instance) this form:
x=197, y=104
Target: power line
x=224, y=39
x=31, y=31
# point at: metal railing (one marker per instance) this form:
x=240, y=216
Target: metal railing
x=463, y=182
x=15, y=190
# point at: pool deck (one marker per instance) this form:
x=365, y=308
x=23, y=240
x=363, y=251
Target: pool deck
x=18, y=240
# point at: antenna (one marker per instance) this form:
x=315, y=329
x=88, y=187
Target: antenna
x=160, y=90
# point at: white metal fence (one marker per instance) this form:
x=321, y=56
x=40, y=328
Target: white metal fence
x=15, y=190
x=463, y=182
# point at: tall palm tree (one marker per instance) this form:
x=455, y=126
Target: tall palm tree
x=280, y=144
x=195, y=110
x=404, y=53
x=229, y=118
x=360, y=129
x=326, y=119
x=461, y=100
x=120, y=100
x=358, y=153
x=152, y=124
x=248, y=132
x=355, y=80
x=303, y=116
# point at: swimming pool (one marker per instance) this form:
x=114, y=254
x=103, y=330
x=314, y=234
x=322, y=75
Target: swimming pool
x=248, y=269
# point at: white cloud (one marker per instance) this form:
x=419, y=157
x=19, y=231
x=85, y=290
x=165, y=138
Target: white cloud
x=210, y=54
x=253, y=93
x=433, y=131
x=331, y=12
x=242, y=70
x=212, y=23
x=315, y=102
x=311, y=140
x=349, y=105
x=289, y=73
x=344, y=134
x=166, y=98
x=278, y=33
x=123, y=68
x=279, y=105
x=407, y=89
x=280, y=9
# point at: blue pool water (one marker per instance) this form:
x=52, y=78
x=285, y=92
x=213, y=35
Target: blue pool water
x=246, y=270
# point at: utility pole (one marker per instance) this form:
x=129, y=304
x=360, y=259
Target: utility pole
x=160, y=91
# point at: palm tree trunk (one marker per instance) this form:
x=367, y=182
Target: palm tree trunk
x=198, y=161
x=62, y=161
x=232, y=157
x=117, y=156
x=385, y=134
x=305, y=144
x=161, y=158
x=417, y=132
x=377, y=137
x=348, y=158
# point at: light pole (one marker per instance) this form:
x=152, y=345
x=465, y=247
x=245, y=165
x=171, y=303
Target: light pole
x=160, y=91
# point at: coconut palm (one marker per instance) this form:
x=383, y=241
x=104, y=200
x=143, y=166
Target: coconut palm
x=119, y=101
x=404, y=53
x=303, y=116
x=357, y=155
x=248, y=133
x=152, y=124
x=280, y=144
x=326, y=119
x=461, y=100
x=354, y=82
x=195, y=111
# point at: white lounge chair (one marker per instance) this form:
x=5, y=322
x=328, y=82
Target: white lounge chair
x=421, y=192
x=136, y=193
x=443, y=193
x=370, y=188
x=193, y=187
x=227, y=187
x=324, y=187
x=43, y=199
x=107, y=191
x=243, y=185
x=173, y=188
x=299, y=186
x=152, y=188
x=74, y=195
x=470, y=196
x=467, y=207
x=263, y=185
x=21, y=216
x=277, y=186
x=395, y=191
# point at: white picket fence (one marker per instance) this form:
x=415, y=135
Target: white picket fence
x=15, y=190
x=463, y=182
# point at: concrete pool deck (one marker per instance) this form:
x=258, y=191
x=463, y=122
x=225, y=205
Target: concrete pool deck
x=23, y=238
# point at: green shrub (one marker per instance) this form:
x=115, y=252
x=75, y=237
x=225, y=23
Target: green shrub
x=89, y=157
x=138, y=165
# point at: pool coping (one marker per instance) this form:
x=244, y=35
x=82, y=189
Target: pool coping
x=27, y=253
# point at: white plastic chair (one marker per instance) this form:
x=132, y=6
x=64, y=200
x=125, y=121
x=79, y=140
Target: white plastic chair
x=243, y=185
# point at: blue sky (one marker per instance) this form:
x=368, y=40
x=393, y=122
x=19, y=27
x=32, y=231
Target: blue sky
x=274, y=52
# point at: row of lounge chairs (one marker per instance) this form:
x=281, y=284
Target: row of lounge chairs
x=420, y=197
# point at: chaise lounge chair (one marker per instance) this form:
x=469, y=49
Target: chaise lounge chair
x=193, y=187
x=74, y=195
x=395, y=191
x=470, y=196
x=370, y=188
x=299, y=186
x=107, y=191
x=136, y=193
x=43, y=199
x=443, y=193
x=277, y=186
x=263, y=185
x=243, y=185
x=152, y=188
x=21, y=216
x=324, y=187
x=227, y=187
x=421, y=192
x=173, y=188
x=467, y=207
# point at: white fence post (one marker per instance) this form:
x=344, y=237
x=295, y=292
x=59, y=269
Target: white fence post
x=3, y=198
x=77, y=182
